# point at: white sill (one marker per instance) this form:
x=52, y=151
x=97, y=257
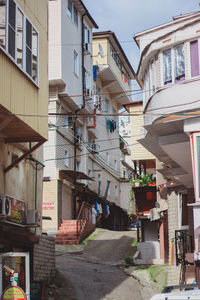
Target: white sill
x=19, y=68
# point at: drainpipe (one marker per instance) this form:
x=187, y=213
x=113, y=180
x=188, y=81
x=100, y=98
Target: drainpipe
x=83, y=65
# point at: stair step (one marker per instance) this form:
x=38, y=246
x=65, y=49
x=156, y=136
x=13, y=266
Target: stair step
x=67, y=242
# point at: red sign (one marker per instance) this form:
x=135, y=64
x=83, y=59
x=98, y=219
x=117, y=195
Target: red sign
x=47, y=206
x=13, y=293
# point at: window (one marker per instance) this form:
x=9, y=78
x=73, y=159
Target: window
x=20, y=43
x=108, y=187
x=167, y=66
x=3, y=24
x=75, y=16
x=66, y=158
x=76, y=63
x=107, y=157
x=78, y=166
x=86, y=35
x=66, y=121
x=183, y=211
x=179, y=62
x=194, y=58
x=20, y=30
x=72, y=12
x=107, y=105
x=116, y=191
x=174, y=64
x=90, y=175
x=115, y=164
x=69, y=9
x=87, y=82
x=99, y=184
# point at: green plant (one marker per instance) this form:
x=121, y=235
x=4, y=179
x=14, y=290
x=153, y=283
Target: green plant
x=146, y=179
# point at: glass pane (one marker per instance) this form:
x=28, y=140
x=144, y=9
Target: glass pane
x=12, y=13
x=28, y=34
x=194, y=58
x=179, y=62
x=11, y=42
x=19, y=38
x=75, y=16
x=2, y=23
x=28, y=61
x=17, y=264
x=69, y=9
x=167, y=66
x=34, y=54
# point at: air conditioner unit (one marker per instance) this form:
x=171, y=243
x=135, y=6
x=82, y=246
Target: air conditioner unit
x=154, y=214
x=86, y=49
x=95, y=147
x=5, y=206
x=78, y=138
x=32, y=217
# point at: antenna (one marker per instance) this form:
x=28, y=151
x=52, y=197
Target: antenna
x=101, y=51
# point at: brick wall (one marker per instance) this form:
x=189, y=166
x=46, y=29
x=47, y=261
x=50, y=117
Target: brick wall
x=44, y=259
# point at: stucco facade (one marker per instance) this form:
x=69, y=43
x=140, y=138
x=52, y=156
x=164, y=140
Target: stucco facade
x=169, y=70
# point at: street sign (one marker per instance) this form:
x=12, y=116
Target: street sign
x=13, y=293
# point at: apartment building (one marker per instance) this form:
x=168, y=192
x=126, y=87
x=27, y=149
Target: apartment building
x=169, y=70
x=23, y=129
x=70, y=86
x=112, y=76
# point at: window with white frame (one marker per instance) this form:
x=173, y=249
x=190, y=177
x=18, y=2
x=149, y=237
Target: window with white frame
x=19, y=38
x=76, y=63
x=174, y=64
x=72, y=12
x=87, y=82
x=66, y=158
x=86, y=34
x=116, y=191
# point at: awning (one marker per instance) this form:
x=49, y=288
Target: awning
x=74, y=174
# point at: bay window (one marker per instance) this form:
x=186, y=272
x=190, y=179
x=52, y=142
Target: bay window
x=19, y=38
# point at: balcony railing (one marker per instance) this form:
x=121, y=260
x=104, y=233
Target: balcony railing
x=184, y=243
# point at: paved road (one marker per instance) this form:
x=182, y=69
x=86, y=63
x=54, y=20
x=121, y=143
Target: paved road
x=96, y=274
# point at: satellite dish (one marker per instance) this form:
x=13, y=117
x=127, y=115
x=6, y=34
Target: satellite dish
x=101, y=51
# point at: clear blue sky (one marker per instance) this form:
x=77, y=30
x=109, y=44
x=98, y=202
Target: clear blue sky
x=127, y=17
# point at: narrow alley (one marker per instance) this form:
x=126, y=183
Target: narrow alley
x=96, y=273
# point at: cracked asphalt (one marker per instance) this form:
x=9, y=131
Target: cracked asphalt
x=97, y=271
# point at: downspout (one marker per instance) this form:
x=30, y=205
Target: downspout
x=83, y=65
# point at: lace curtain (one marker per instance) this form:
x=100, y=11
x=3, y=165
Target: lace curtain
x=179, y=61
x=167, y=64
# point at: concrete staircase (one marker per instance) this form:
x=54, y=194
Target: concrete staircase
x=72, y=232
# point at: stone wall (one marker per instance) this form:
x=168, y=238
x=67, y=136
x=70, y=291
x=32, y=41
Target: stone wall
x=44, y=259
